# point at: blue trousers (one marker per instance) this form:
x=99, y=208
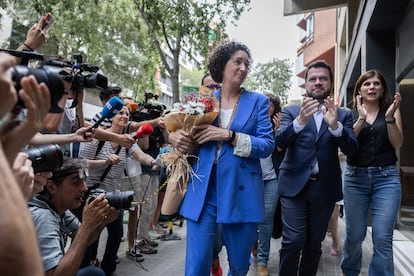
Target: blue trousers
x=239, y=239
x=271, y=197
x=377, y=188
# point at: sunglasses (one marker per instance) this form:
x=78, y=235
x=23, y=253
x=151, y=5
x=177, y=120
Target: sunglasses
x=213, y=86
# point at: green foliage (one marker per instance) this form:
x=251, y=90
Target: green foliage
x=273, y=77
x=130, y=39
x=182, y=25
x=191, y=77
x=109, y=34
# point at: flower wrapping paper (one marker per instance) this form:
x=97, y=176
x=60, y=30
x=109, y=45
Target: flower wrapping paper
x=196, y=109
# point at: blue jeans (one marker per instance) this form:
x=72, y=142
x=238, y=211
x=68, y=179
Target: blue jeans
x=265, y=228
x=377, y=188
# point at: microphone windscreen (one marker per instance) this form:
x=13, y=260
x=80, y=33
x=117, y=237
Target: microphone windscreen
x=112, y=107
x=143, y=131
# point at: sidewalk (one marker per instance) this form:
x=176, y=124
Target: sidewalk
x=169, y=261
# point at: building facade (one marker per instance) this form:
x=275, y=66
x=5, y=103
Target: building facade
x=372, y=34
x=369, y=34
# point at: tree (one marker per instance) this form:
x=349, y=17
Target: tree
x=183, y=26
x=273, y=77
x=109, y=34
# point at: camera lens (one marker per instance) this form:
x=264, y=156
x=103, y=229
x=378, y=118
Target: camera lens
x=43, y=74
x=120, y=200
x=45, y=158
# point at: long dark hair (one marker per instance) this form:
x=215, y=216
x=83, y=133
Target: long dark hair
x=385, y=100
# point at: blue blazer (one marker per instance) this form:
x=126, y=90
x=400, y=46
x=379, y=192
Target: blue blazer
x=239, y=179
x=307, y=146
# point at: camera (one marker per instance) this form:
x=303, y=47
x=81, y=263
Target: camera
x=45, y=74
x=118, y=200
x=81, y=75
x=45, y=158
x=147, y=111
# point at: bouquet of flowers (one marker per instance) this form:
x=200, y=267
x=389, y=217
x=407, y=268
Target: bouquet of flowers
x=195, y=109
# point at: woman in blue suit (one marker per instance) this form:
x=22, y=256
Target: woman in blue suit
x=229, y=186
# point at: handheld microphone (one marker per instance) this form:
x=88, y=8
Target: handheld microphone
x=143, y=131
x=109, y=110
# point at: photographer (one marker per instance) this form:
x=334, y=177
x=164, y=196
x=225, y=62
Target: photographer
x=15, y=132
x=17, y=233
x=101, y=154
x=54, y=222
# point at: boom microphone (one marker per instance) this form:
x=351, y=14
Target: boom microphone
x=109, y=110
x=143, y=131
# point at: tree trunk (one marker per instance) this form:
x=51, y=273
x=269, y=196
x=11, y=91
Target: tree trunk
x=175, y=85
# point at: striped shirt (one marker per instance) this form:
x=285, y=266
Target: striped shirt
x=112, y=181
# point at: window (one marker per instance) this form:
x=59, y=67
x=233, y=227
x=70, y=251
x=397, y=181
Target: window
x=310, y=19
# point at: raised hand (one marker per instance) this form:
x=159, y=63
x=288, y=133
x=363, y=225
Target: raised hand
x=394, y=106
x=362, y=112
x=308, y=107
x=330, y=112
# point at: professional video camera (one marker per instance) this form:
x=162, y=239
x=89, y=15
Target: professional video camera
x=81, y=75
x=45, y=158
x=118, y=200
x=53, y=71
x=148, y=111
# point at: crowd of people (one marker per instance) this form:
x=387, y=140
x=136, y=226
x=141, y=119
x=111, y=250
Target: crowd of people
x=254, y=156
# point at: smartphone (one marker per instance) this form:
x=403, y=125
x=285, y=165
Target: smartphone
x=47, y=22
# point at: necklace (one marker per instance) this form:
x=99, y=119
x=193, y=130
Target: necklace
x=233, y=111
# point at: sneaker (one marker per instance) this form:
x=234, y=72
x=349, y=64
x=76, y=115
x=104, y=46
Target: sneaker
x=151, y=242
x=144, y=248
x=158, y=229
x=133, y=255
x=153, y=235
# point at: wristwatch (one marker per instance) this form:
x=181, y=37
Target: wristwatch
x=233, y=136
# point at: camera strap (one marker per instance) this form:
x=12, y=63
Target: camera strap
x=118, y=149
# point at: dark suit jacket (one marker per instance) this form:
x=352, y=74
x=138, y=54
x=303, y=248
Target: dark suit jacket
x=307, y=146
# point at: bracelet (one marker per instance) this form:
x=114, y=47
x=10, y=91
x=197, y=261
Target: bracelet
x=392, y=121
x=28, y=47
x=233, y=136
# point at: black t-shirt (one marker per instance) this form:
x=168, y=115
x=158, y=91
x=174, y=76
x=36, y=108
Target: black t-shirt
x=375, y=148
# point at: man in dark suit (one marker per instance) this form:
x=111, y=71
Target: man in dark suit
x=310, y=175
